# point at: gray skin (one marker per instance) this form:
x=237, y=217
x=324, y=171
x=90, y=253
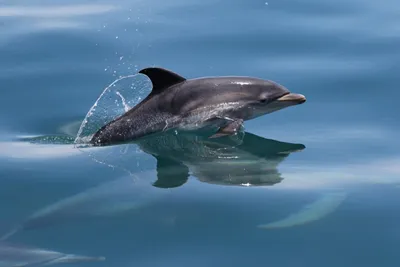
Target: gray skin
x=178, y=103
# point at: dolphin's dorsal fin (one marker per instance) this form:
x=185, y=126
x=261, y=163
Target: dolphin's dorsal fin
x=161, y=78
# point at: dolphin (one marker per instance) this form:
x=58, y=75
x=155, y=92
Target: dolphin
x=179, y=103
x=20, y=255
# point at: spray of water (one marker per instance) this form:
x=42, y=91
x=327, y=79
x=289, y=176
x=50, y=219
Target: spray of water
x=116, y=99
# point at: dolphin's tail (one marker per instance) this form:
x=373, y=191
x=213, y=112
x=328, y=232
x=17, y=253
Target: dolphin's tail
x=11, y=233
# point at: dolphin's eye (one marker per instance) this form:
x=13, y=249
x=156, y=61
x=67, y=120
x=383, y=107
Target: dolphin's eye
x=263, y=100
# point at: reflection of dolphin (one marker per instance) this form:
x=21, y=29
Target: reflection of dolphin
x=244, y=159
x=121, y=195
x=250, y=161
x=16, y=255
x=179, y=103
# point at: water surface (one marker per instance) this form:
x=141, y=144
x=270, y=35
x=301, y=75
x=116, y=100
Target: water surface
x=327, y=172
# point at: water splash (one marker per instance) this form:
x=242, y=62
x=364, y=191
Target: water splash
x=126, y=106
x=115, y=100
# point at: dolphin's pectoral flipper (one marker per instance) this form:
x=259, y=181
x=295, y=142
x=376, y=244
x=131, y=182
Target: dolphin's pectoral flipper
x=170, y=173
x=231, y=128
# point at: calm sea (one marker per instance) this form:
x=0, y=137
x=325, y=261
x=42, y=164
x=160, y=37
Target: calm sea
x=324, y=176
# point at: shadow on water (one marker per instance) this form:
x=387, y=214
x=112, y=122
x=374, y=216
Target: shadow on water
x=245, y=159
x=242, y=160
x=248, y=160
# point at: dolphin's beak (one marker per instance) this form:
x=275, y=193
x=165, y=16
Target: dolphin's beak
x=297, y=98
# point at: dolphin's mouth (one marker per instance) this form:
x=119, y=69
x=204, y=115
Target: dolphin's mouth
x=291, y=97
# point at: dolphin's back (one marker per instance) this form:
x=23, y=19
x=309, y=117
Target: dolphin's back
x=174, y=98
x=180, y=100
x=212, y=91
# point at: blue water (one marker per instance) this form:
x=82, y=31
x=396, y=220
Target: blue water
x=340, y=193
